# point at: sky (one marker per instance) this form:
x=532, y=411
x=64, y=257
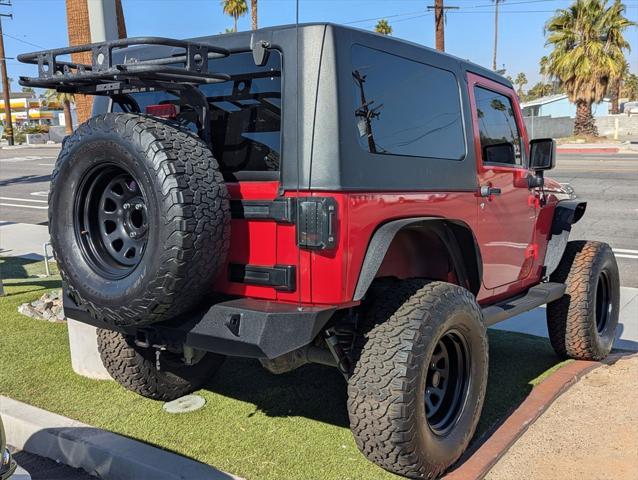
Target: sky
x=469, y=31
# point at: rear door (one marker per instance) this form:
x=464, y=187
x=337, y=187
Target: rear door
x=507, y=207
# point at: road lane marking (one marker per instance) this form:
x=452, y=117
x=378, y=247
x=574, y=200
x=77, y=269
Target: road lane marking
x=24, y=206
x=44, y=193
x=47, y=164
x=31, y=200
x=623, y=255
x=26, y=158
x=625, y=250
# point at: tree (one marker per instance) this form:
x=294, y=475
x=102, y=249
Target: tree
x=630, y=87
x=253, y=13
x=538, y=90
x=587, y=54
x=496, y=2
x=236, y=9
x=383, y=27
x=65, y=99
x=28, y=90
x=614, y=90
x=521, y=81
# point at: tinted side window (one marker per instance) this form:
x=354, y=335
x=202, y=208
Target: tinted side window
x=500, y=138
x=403, y=107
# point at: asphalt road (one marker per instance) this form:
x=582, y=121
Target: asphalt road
x=608, y=182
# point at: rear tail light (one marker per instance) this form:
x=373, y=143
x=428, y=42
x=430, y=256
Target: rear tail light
x=317, y=217
x=165, y=110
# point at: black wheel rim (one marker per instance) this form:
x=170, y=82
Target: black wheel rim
x=447, y=382
x=111, y=221
x=603, y=302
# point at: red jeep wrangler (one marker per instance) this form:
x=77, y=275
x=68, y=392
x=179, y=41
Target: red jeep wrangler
x=315, y=193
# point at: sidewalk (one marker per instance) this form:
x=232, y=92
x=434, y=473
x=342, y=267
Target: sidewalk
x=534, y=322
x=595, y=148
x=23, y=240
x=589, y=432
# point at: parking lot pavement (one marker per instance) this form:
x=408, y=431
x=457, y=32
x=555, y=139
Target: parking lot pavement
x=25, y=174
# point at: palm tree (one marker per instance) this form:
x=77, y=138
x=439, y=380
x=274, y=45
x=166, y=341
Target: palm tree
x=614, y=90
x=521, y=81
x=495, y=32
x=253, y=13
x=588, y=54
x=383, y=27
x=236, y=9
x=630, y=87
x=65, y=99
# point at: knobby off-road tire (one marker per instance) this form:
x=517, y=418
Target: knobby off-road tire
x=159, y=191
x=394, y=377
x=582, y=323
x=135, y=368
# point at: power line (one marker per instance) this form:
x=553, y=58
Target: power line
x=382, y=18
x=4, y=34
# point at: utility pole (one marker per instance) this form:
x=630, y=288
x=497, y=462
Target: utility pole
x=495, y=34
x=439, y=22
x=6, y=87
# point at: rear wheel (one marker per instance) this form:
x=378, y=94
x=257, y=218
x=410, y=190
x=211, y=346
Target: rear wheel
x=136, y=368
x=582, y=323
x=417, y=390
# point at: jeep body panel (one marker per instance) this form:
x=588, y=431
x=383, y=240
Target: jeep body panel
x=321, y=157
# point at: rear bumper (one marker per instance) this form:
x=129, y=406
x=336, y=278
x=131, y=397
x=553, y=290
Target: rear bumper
x=242, y=327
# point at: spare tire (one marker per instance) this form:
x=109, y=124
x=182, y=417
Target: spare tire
x=139, y=218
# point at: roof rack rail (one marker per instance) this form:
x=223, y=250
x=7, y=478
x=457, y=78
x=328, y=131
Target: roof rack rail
x=105, y=77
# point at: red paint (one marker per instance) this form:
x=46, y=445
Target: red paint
x=511, y=230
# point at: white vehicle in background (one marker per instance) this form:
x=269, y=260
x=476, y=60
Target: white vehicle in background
x=630, y=108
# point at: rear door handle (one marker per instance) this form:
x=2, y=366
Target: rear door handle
x=488, y=191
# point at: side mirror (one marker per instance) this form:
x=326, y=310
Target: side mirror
x=542, y=154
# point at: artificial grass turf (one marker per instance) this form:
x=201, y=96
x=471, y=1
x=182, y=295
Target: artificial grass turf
x=255, y=424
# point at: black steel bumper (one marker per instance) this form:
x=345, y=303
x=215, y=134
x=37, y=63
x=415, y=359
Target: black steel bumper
x=242, y=327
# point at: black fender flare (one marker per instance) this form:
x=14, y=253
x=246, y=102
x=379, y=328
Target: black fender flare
x=455, y=235
x=566, y=213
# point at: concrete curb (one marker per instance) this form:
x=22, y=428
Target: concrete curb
x=588, y=150
x=537, y=402
x=99, y=452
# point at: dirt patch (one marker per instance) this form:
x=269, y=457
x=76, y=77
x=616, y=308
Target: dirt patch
x=590, y=432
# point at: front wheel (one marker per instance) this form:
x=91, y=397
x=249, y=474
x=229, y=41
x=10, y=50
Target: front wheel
x=417, y=390
x=582, y=323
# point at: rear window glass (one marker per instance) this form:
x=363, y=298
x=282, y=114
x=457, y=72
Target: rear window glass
x=403, y=107
x=245, y=112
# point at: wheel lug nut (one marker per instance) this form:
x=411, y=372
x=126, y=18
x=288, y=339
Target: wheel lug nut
x=138, y=207
x=132, y=235
x=126, y=206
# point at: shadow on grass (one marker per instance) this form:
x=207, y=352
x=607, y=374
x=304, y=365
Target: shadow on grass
x=15, y=267
x=319, y=393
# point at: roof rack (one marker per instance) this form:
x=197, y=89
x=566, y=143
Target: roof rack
x=105, y=77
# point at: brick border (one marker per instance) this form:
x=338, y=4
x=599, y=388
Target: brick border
x=537, y=402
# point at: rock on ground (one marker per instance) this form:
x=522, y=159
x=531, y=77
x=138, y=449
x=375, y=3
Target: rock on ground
x=47, y=307
x=590, y=432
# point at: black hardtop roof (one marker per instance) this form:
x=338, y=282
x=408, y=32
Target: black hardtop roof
x=241, y=41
